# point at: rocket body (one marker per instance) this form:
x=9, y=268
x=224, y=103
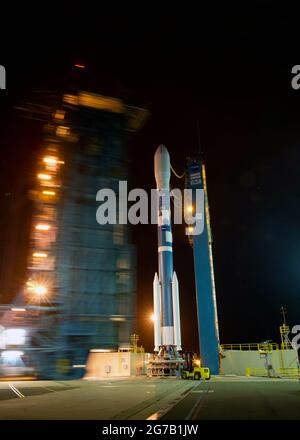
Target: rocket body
x=165, y=285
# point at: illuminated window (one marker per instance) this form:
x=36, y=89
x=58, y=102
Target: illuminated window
x=14, y=336
x=52, y=161
x=44, y=176
x=62, y=131
x=49, y=193
x=42, y=227
x=60, y=114
x=123, y=263
x=39, y=254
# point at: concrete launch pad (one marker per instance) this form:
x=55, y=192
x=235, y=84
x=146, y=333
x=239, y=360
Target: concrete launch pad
x=121, y=399
x=227, y=398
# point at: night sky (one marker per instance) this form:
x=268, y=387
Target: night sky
x=219, y=77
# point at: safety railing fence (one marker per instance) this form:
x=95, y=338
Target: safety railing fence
x=251, y=346
x=278, y=373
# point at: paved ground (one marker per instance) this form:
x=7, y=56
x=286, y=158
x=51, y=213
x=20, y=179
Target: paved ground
x=224, y=398
x=237, y=398
x=131, y=398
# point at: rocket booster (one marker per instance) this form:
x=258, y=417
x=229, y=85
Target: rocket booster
x=165, y=284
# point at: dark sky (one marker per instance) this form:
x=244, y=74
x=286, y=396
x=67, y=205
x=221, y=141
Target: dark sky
x=227, y=71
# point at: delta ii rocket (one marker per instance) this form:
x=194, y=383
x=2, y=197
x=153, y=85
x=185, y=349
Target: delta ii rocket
x=167, y=334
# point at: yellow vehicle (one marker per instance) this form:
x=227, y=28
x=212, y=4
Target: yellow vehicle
x=192, y=367
x=196, y=373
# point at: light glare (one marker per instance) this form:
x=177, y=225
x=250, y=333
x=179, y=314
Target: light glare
x=40, y=290
x=49, y=193
x=14, y=336
x=44, y=176
x=42, y=227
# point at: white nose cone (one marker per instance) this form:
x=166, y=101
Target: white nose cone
x=162, y=168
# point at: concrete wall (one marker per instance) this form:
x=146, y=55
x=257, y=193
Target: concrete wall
x=114, y=364
x=236, y=361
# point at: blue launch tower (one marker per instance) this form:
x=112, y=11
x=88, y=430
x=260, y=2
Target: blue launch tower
x=204, y=274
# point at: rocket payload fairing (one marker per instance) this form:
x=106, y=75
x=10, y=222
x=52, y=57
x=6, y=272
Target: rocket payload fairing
x=167, y=334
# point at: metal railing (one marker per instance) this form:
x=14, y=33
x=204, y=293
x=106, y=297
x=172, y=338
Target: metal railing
x=280, y=372
x=289, y=372
x=272, y=346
